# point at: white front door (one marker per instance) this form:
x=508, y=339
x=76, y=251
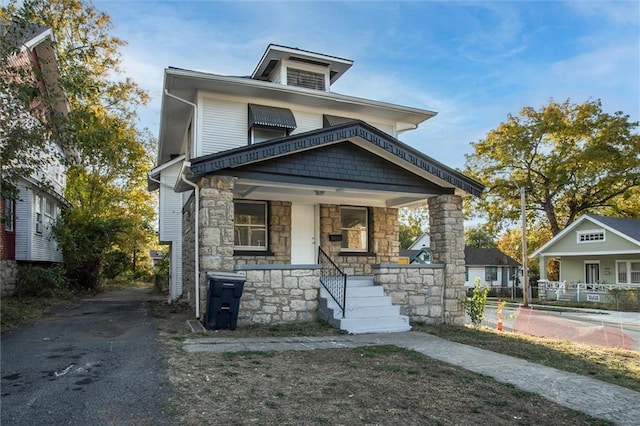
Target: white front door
x=303, y=234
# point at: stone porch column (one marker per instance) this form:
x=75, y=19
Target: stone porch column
x=215, y=229
x=446, y=231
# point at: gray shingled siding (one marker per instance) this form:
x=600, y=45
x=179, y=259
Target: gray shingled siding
x=342, y=163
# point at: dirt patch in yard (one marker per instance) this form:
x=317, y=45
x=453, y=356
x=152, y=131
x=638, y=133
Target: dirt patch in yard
x=382, y=385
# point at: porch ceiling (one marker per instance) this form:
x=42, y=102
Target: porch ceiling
x=314, y=194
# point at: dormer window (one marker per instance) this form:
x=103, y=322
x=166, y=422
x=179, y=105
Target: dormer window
x=267, y=122
x=301, y=68
x=308, y=79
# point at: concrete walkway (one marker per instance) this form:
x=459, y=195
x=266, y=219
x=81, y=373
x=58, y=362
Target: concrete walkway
x=599, y=399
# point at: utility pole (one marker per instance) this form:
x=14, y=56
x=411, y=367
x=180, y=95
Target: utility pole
x=525, y=265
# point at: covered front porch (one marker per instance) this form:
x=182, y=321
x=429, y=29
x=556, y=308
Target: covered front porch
x=589, y=278
x=268, y=210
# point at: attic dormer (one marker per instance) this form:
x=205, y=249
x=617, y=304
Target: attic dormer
x=294, y=67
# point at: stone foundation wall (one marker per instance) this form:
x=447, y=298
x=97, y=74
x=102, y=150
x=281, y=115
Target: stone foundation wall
x=418, y=289
x=8, y=277
x=278, y=294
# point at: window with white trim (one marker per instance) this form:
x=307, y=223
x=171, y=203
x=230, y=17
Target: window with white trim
x=38, y=200
x=50, y=209
x=8, y=215
x=354, y=227
x=628, y=271
x=262, y=134
x=250, y=225
x=590, y=236
x=491, y=273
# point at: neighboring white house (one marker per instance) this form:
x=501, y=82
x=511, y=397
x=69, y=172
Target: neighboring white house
x=262, y=175
x=493, y=267
x=596, y=254
x=26, y=235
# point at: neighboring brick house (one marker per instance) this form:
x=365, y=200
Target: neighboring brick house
x=25, y=234
x=262, y=176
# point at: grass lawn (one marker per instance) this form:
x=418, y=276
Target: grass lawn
x=367, y=385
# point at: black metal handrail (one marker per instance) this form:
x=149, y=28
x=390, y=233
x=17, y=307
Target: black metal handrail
x=333, y=279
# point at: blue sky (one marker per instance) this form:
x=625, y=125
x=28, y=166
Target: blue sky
x=473, y=62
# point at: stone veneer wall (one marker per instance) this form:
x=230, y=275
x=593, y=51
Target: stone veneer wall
x=279, y=238
x=188, y=252
x=278, y=293
x=215, y=233
x=385, y=233
x=8, y=277
x=418, y=289
x=446, y=230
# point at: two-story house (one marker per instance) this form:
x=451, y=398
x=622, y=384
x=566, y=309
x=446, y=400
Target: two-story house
x=25, y=232
x=292, y=186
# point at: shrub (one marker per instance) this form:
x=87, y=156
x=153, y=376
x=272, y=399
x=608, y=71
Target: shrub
x=41, y=281
x=624, y=300
x=475, y=305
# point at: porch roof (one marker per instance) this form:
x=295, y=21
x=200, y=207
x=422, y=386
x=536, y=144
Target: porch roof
x=358, y=133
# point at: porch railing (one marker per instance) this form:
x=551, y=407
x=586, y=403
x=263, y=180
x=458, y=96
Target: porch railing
x=333, y=279
x=561, y=287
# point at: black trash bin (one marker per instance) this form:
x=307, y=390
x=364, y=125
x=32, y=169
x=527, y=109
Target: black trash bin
x=223, y=300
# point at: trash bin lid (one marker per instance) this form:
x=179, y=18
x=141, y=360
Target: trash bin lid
x=221, y=275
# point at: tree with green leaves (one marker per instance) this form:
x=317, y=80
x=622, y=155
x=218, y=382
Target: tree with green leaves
x=106, y=177
x=572, y=159
x=479, y=236
x=413, y=223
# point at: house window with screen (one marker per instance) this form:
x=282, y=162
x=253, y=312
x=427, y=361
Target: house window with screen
x=354, y=226
x=250, y=225
x=267, y=122
x=491, y=273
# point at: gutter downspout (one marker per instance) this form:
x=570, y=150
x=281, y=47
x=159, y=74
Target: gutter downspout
x=196, y=189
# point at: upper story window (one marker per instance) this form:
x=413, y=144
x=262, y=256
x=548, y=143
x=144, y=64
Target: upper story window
x=38, y=209
x=250, y=220
x=9, y=215
x=308, y=79
x=590, y=236
x=354, y=226
x=267, y=122
x=50, y=209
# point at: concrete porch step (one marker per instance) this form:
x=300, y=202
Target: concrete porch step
x=368, y=310
x=396, y=324
x=359, y=281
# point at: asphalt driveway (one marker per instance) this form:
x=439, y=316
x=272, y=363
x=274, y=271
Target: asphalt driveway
x=96, y=362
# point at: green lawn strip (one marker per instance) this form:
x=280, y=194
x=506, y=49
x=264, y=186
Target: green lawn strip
x=612, y=365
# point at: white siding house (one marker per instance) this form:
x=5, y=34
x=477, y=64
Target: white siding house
x=263, y=176
x=40, y=195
